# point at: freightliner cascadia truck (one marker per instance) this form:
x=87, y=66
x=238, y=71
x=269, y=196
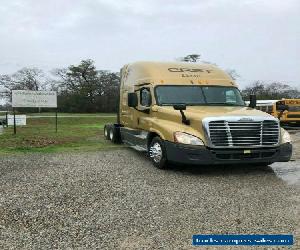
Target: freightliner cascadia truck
x=193, y=114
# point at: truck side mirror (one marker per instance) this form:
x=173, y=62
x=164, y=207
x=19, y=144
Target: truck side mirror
x=179, y=107
x=145, y=97
x=282, y=107
x=182, y=107
x=132, y=100
x=252, y=103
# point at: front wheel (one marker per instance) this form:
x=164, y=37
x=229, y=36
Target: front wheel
x=157, y=153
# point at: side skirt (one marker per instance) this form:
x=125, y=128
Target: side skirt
x=135, y=138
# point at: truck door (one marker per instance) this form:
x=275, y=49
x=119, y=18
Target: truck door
x=136, y=117
x=143, y=110
x=126, y=113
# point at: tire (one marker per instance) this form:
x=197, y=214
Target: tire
x=114, y=134
x=106, y=132
x=157, y=153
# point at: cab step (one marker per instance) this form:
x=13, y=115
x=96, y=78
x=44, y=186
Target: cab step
x=139, y=148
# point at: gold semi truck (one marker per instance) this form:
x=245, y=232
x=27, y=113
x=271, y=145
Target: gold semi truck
x=193, y=114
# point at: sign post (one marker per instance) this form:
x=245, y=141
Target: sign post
x=15, y=127
x=6, y=119
x=34, y=99
x=56, y=121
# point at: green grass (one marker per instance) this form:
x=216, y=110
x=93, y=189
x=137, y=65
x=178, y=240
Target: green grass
x=74, y=134
x=71, y=114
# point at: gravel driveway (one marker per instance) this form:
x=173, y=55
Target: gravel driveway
x=117, y=200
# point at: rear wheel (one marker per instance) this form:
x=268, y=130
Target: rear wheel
x=114, y=134
x=157, y=153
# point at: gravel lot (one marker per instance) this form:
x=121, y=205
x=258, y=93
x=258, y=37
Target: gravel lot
x=117, y=200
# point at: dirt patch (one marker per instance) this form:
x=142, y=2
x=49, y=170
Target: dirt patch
x=43, y=142
x=38, y=142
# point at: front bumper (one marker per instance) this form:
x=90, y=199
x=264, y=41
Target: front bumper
x=202, y=155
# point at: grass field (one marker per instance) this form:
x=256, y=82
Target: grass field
x=74, y=134
x=71, y=114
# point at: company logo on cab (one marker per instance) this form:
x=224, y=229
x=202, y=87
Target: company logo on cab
x=181, y=70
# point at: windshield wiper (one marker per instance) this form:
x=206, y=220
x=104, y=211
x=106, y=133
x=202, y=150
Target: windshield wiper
x=187, y=104
x=204, y=104
x=224, y=103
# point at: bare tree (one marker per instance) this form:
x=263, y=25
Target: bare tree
x=274, y=90
x=233, y=74
x=24, y=79
x=190, y=58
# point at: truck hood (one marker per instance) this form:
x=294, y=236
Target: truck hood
x=198, y=113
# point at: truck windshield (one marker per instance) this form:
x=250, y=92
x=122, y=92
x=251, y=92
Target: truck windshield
x=198, y=95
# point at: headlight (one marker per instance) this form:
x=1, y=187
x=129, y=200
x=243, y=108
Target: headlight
x=285, y=136
x=185, y=138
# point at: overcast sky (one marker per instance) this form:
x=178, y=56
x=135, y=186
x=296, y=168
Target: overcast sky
x=258, y=38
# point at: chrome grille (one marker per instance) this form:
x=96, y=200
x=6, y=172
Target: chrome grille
x=224, y=133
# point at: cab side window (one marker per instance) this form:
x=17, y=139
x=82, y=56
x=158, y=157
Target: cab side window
x=145, y=97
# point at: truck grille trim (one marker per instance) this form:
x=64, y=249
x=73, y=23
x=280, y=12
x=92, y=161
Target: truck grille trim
x=223, y=133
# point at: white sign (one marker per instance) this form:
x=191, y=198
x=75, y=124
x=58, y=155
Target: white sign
x=20, y=120
x=34, y=99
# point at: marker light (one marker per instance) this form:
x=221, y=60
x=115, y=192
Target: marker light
x=285, y=136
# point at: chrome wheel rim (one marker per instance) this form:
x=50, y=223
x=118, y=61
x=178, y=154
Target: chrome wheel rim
x=155, y=152
x=111, y=135
x=105, y=132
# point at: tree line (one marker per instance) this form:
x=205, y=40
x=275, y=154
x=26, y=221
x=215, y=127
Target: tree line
x=84, y=88
x=80, y=88
x=270, y=91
